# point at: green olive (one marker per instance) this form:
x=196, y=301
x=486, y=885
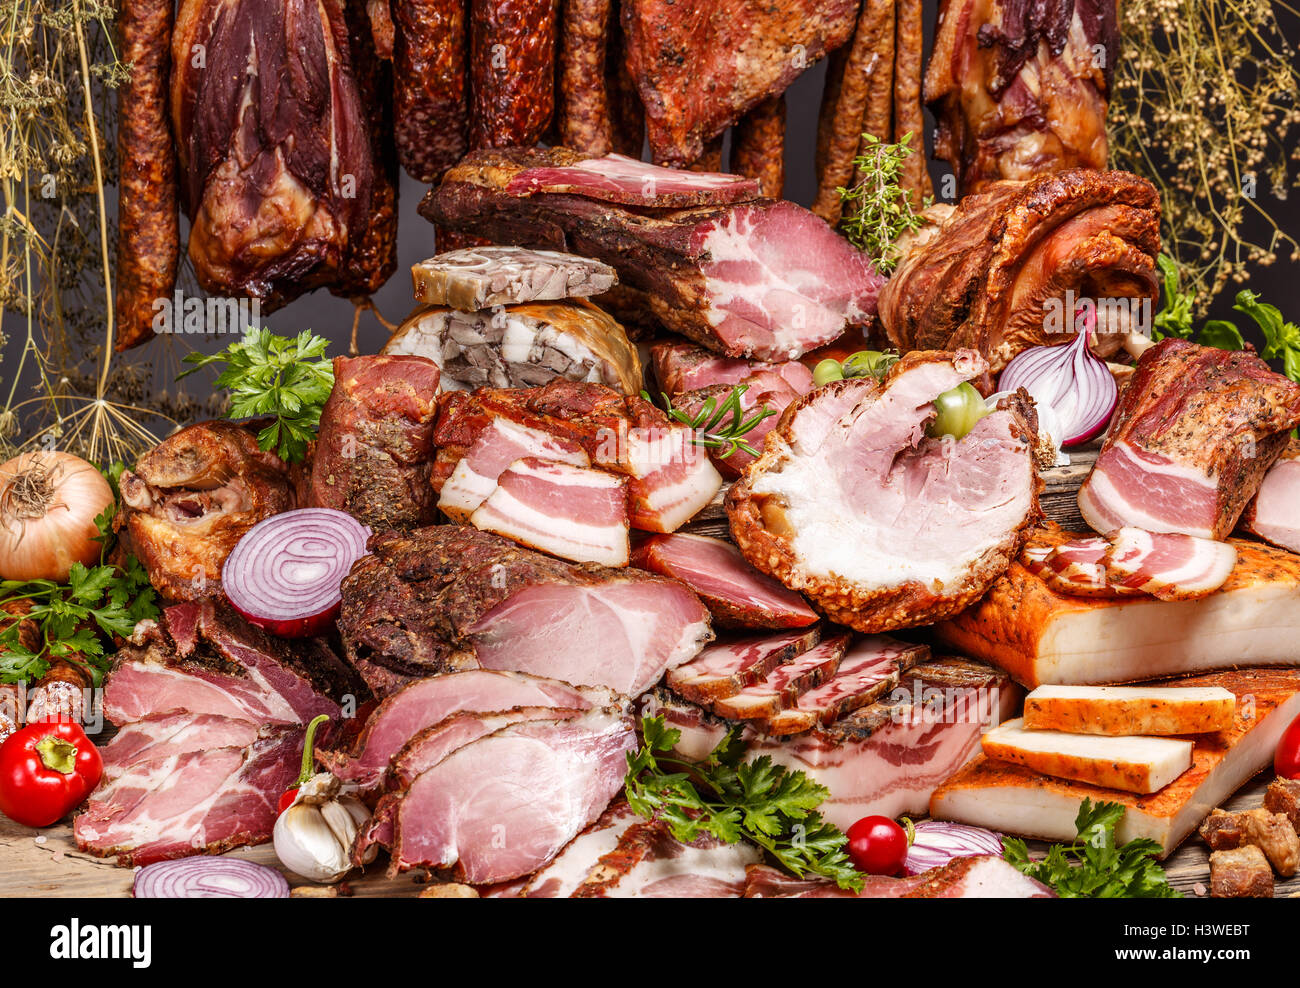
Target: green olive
x=826, y=371
x=868, y=363
x=957, y=412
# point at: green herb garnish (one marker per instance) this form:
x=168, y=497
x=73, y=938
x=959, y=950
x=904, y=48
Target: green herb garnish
x=877, y=210
x=1093, y=867
x=732, y=800
x=266, y=374
x=719, y=425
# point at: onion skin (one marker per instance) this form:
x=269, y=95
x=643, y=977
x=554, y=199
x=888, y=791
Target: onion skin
x=48, y=505
x=186, y=878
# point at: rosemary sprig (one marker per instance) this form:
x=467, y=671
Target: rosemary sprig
x=710, y=425
x=877, y=211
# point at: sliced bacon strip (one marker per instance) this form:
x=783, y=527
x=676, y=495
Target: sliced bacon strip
x=1168, y=566
x=616, y=178
x=869, y=670
x=785, y=684
x=725, y=668
x=1078, y=569
x=736, y=594
x=572, y=512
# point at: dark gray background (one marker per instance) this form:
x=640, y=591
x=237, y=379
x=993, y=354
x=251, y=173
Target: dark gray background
x=332, y=317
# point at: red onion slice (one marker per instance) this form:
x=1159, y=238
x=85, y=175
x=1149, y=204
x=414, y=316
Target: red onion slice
x=284, y=575
x=936, y=842
x=1070, y=380
x=209, y=878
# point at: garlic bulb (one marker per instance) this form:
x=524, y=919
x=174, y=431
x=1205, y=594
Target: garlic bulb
x=314, y=836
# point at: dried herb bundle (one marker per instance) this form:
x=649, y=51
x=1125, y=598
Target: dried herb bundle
x=1204, y=105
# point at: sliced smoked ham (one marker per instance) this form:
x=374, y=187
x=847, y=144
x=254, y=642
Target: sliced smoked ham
x=879, y=525
x=1195, y=432
x=1273, y=514
x=670, y=478
x=429, y=702
x=1170, y=567
x=782, y=687
x=451, y=597
x=174, y=733
x=736, y=594
x=681, y=367
x=724, y=668
x=506, y=804
x=573, y=512
x=764, y=278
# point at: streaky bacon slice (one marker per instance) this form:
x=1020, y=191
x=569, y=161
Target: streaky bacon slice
x=1078, y=568
x=785, y=684
x=682, y=367
x=425, y=702
x=725, y=668
x=1168, y=566
x=538, y=784
x=869, y=669
x=617, y=178
x=736, y=594
x=500, y=444
x=573, y=512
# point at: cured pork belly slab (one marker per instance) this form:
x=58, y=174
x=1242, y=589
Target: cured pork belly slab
x=192, y=497
x=427, y=703
x=669, y=477
x=763, y=278
x=506, y=804
x=1273, y=514
x=374, y=448
x=1044, y=637
x=978, y=876
x=572, y=512
x=1194, y=433
x=521, y=346
x=1143, y=710
x=1014, y=799
x=879, y=525
x=681, y=367
x=783, y=685
x=736, y=594
x=450, y=597
x=198, y=801
x=986, y=277
x=203, y=658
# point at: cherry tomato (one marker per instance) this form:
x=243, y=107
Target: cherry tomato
x=877, y=845
x=1287, y=760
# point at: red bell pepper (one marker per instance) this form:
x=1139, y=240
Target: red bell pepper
x=1286, y=762
x=46, y=770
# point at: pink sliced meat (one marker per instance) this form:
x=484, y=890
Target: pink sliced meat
x=736, y=594
x=1078, y=568
x=426, y=702
x=1274, y=513
x=205, y=659
x=621, y=635
x=785, y=684
x=869, y=669
x=682, y=367
x=1194, y=433
x=725, y=668
x=433, y=744
x=671, y=478
x=1168, y=566
x=983, y=876
x=505, y=805
x=500, y=444
x=572, y=512
x=172, y=734
x=649, y=863
x=562, y=877
x=764, y=391
x=197, y=802
x=616, y=178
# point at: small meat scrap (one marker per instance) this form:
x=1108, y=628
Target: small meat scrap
x=1271, y=832
x=475, y=278
x=1240, y=873
x=1283, y=796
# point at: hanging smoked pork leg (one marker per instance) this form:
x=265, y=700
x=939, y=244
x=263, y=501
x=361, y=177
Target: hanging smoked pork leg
x=988, y=277
x=279, y=174
x=880, y=526
x=1021, y=89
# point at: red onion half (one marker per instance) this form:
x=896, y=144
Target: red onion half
x=936, y=842
x=285, y=574
x=209, y=878
x=1069, y=379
